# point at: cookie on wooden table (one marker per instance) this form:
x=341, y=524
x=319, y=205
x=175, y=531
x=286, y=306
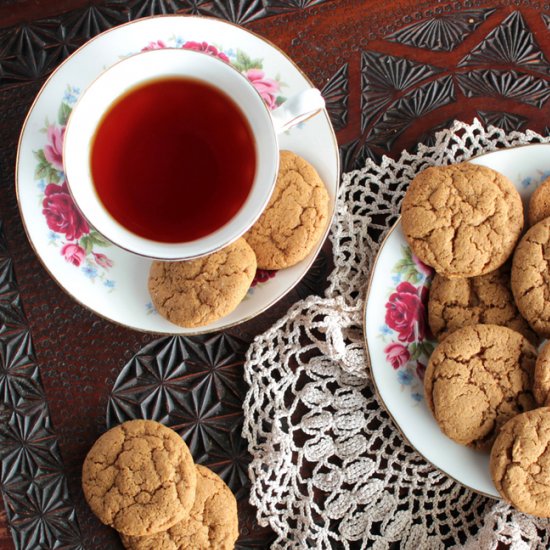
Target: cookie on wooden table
x=198, y=292
x=139, y=477
x=463, y=220
x=478, y=378
x=520, y=462
x=531, y=277
x=295, y=217
x=539, y=203
x=212, y=523
x=487, y=299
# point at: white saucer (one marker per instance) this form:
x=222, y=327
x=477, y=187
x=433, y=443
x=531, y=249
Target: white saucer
x=400, y=385
x=102, y=277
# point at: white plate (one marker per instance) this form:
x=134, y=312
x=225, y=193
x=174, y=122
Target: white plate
x=102, y=277
x=398, y=276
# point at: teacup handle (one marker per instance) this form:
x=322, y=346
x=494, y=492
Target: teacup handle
x=296, y=109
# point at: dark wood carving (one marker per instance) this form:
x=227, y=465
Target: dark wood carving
x=392, y=74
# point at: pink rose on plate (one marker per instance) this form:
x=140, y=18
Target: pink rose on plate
x=420, y=370
x=62, y=216
x=53, y=151
x=154, y=45
x=267, y=87
x=73, y=253
x=426, y=270
x=397, y=354
x=406, y=312
x=102, y=260
x=207, y=48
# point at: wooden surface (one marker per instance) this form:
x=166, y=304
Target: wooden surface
x=392, y=73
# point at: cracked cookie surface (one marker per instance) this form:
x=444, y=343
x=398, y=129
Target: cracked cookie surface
x=531, y=277
x=212, y=523
x=487, y=299
x=197, y=292
x=539, y=203
x=295, y=217
x=478, y=378
x=541, y=383
x=520, y=462
x=139, y=478
x=463, y=220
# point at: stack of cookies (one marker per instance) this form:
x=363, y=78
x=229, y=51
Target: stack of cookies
x=139, y=478
x=198, y=292
x=484, y=379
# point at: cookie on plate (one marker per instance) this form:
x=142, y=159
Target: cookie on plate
x=486, y=299
x=139, y=477
x=295, y=217
x=539, y=203
x=463, y=220
x=198, y=292
x=520, y=462
x=541, y=382
x=478, y=378
x=531, y=277
x=212, y=522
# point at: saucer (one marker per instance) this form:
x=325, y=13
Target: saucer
x=102, y=277
x=397, y=366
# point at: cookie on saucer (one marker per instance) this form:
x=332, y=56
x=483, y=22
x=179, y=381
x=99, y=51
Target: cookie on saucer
x=487, y=299
x=539, y=203
x=198, y=292
x=478, y=378
x=211, y=524
x=463, y=220
x=295, y=217
x=531, y=277
x=520, y=462
x=139, y=478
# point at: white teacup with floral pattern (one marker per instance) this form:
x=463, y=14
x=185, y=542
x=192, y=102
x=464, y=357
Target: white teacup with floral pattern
x=147, y=66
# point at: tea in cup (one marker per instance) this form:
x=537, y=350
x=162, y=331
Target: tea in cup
x=173, y=154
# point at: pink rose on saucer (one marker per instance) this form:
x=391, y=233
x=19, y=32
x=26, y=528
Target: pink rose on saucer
x=267, y=87
x=406, y=312
x=102, y=260
x=62, y=216
x=262, y=276
x=53, y=151
x=73, y=254
x=397, y=354
x=154, y=45
x=207, y=48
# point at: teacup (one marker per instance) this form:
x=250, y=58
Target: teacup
x=115, y=196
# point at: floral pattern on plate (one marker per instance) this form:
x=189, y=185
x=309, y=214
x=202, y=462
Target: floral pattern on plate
x=406, y=333
x=68, y=230
x=269, y=88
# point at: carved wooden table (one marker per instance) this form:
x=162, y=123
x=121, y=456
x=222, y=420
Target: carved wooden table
x=392, y=74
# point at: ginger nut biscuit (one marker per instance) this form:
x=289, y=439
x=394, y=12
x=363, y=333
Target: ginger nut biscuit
x=212, y=523
x=539, y=203
x=139, y=478
x=486, y=299
x=541, y=383
x=463, y=220
x=520, y=462
x=478, y=378
x=531, y=277
x=197, y=292
x=295, y=217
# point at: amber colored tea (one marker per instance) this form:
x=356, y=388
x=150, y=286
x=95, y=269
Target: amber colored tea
x=173, y=160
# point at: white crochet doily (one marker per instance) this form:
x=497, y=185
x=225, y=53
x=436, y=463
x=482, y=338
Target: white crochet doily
x=329, y=468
